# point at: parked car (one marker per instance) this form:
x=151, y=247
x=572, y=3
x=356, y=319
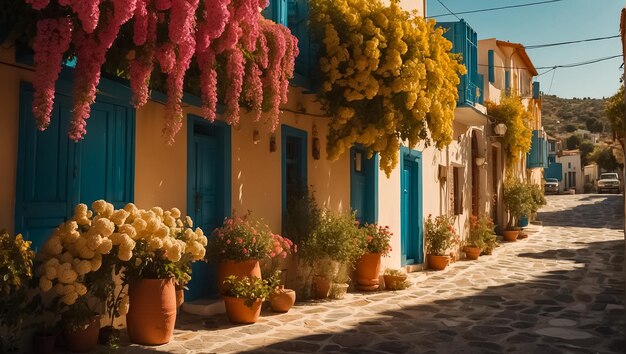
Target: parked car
x=609, y=182
x=551, y=185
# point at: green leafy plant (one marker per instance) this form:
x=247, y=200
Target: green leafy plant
x=16, y=262
x=251, y=289
x=538, y=198
x=377, y=239
x=482, y=234
x=338, y=238
x=439, y=234
x=517, y=200
x=302, y=218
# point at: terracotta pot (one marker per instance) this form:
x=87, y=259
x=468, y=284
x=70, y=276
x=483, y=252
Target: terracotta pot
x=180, y=297
x=83, y=339
x=242, y=269
x=394, y=282
x=471, y=252
x=510, y=235
x=152, y=312
x=282, y=299
x=522, y=235
x=368, y=271
x=238, y=312
x=321, y=287
x=437, y=262
x=44, y=343
x=338, y=291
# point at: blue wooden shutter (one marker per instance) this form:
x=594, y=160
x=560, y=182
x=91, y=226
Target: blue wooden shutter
x=536, y=92
x=277, y=11
x=507, y=82
x=298, y=24
x=490, y=63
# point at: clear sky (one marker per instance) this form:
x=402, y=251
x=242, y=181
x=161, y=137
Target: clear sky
x=565, y=20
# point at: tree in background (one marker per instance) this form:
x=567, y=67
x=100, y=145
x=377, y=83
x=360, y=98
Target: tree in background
x=604, y=158
x=615, y=112
x=594, y=125
x=573, y=142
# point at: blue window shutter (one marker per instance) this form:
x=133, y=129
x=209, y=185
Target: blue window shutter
x=277, y=11
x=490, y=61
x=507, y=82
x=536, y=92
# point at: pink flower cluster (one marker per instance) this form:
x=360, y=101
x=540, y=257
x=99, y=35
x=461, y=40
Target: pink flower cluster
x=220, y=33
x=282, y=246
x=52, y=40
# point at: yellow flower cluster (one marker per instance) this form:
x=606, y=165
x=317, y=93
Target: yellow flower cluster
x=518, y=137
x=388, y=75
x=77, y=247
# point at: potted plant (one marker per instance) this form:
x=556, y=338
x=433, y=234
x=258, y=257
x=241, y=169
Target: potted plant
x=484, y=226
x=157, y=254
x=517, y=203
x=475, y=242
x=440, y=236
x=243, y=297
x=281, y=299
x=377, y=245
x=16, y=261
x=536, y=201
x=395, y=279
x=239, y=246
x=340, y=283
x=337, y=240
x=46, y=323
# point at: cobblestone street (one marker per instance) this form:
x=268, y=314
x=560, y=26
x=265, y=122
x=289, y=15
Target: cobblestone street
x=560, y=290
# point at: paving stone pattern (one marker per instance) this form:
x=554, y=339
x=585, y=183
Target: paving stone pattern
x=559, y=291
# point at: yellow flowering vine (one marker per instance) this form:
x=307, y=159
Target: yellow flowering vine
x=518, y=137
x=388, y=75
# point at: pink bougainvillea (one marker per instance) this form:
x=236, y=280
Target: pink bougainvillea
x=91, y=54
x=230, y=39
x=38, y=4
x=52, y=40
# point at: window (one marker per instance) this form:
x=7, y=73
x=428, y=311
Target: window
x=456, y=191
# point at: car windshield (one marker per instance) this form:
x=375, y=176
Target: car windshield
x=551, y=180
x=608, y=176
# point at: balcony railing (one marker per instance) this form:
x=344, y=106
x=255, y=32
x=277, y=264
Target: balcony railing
x=465, y=42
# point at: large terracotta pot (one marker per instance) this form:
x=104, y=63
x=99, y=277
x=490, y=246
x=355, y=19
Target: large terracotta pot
x=180, y=297
x=152, y=312
x=84, y=338
x=471, y=252
x=282, y=299
x=510, y=235
x=240, y=269
x=368, y=271
x=321, y=287
x=437, y=262
x=238, y=312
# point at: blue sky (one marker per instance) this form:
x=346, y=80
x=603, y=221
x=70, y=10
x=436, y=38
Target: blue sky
x=561, y=21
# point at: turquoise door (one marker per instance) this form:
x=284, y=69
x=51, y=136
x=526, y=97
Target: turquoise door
x=55, y=174
x=411, y=208
x=363, y=185
x=294, y=164
x=208, y=193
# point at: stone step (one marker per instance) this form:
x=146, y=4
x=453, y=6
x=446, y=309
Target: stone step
x=204, y=307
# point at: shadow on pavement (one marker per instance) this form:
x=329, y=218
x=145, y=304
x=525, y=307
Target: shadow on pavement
x=605, y=211
x=587, y=301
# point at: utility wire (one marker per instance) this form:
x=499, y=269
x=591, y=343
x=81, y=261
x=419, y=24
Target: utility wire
x=491, y=9
x=569, y=42
x=450, y=11
x=552, y=81
x=571, y=65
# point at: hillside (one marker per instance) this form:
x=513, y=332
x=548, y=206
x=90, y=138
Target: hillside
x=562, y=116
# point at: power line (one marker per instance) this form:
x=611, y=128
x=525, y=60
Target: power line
x=492, y=9
x=450, y=11
x=569, y=42
x=552, y=81
x=571, y=65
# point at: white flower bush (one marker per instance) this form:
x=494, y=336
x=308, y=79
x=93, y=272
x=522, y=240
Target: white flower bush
x=141, y=243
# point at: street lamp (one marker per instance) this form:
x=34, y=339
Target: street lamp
x=500, y=129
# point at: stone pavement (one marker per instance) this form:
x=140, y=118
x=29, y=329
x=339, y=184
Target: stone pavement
x=559, y=291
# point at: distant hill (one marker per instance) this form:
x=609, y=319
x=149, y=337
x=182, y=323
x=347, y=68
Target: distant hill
x=562, y=116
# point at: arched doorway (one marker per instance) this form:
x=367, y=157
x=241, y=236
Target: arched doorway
x=475, y=175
